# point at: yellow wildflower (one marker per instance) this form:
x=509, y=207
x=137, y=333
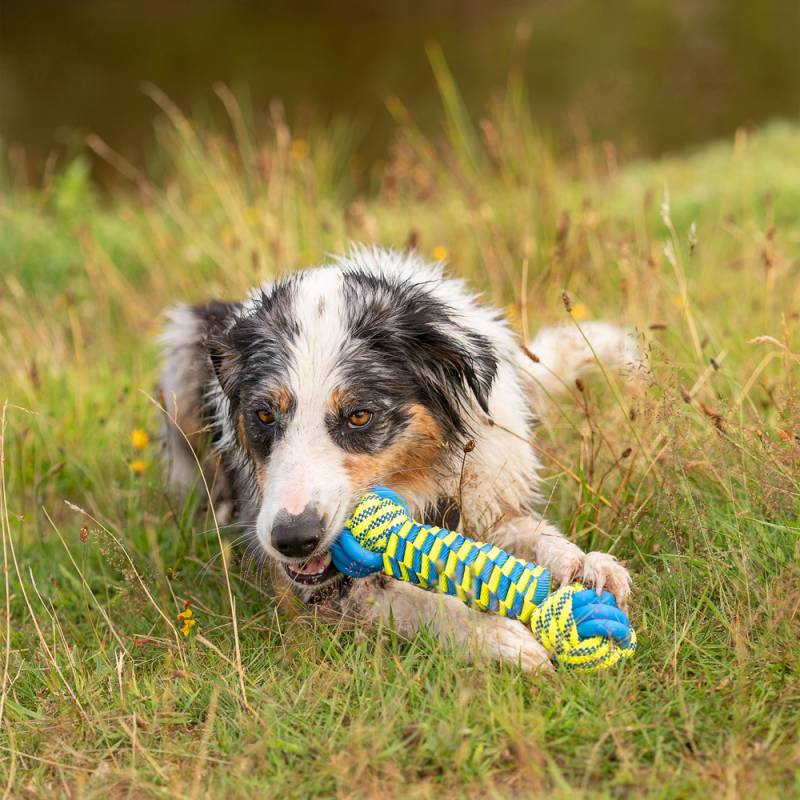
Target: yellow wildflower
x=186, y=617
x=580, y=311
x=139, y=466
x=299, y=149
x=677, y=300
x=440, y=253
x=252, y=215
x=228, y=236
x=198, y=203
x=139, y=439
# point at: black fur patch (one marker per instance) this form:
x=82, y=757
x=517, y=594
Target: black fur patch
x=445, y=514
x=411, y=342
x=214, y=315
x=255, y=348
x=387, y=403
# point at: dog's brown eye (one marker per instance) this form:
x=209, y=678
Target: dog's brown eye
x=265, y=416
x=360, y=418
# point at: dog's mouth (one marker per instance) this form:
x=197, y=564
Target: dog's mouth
x=315, y=570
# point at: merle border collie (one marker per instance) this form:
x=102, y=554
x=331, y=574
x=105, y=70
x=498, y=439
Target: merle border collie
x=377, y=369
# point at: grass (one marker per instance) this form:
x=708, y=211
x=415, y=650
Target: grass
x=693, y=480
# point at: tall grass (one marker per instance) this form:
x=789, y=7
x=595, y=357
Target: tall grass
x=693, y=479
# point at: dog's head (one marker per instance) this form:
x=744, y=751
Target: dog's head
x=337, y=380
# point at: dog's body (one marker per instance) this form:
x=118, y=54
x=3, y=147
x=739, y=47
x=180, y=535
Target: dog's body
x=377, y=370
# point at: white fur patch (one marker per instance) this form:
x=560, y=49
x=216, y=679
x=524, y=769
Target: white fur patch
x=566, y=353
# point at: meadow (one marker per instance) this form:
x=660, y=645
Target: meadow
x=693, y=479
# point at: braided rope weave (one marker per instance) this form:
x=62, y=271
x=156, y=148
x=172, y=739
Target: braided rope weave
x=483, y=576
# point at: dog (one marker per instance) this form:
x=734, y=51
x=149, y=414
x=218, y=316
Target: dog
x=378, y=369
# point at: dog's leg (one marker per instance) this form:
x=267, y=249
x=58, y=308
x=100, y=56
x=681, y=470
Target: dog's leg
x=534, y=538
x=408, y=608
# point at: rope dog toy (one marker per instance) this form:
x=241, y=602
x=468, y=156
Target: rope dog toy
x=582, y=631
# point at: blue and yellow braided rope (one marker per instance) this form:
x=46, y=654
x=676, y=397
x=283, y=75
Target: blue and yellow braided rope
x=380, y=535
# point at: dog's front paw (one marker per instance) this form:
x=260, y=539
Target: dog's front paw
x=566, y=567
x=509, y=640
x=603, y=571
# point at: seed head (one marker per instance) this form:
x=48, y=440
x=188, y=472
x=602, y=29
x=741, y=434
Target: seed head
x=532, y=356
x=692, y=238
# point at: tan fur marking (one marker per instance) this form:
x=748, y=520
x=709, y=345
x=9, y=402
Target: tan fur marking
x=408, y=463
x=282, y=399
x=340, y=398
x=241, y=435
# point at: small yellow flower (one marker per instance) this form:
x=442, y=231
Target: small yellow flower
x=228, y=236
x=440, y=253
x=139, y=439
x=677, y=301
x=139, y=466
x=580, y=311
x=186, y=617
x=252, y=216
x=198, y=203
x=299, y=150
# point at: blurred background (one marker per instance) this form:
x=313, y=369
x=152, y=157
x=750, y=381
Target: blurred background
x=650, y=75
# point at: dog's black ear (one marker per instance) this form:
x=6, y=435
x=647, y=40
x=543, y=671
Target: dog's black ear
x=226, y=363
x=244, y=349
x=450, y=359
x=222, y=353
x=450, y=364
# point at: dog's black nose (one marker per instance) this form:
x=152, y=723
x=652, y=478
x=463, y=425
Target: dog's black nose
x=296, y=535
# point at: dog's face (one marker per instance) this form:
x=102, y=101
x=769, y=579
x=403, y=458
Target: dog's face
x=337, y=381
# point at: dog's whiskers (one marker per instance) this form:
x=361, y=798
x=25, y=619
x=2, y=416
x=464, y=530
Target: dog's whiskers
x=248, y=535
x=223, y=528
